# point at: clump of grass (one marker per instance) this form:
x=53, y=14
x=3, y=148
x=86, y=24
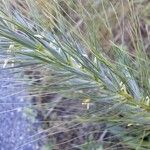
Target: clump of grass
x=111, y=78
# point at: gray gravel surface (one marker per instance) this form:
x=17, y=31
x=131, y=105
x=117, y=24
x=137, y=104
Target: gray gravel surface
x=16, y=127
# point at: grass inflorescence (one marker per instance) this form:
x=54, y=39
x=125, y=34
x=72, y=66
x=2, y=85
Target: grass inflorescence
x=93, y=52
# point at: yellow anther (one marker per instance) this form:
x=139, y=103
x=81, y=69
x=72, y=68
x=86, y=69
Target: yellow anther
x=123, y=87
x=147, y=101
x=86, y=102
x=129, y=125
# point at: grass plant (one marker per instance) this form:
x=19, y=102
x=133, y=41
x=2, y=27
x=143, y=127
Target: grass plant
x=93, y=52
